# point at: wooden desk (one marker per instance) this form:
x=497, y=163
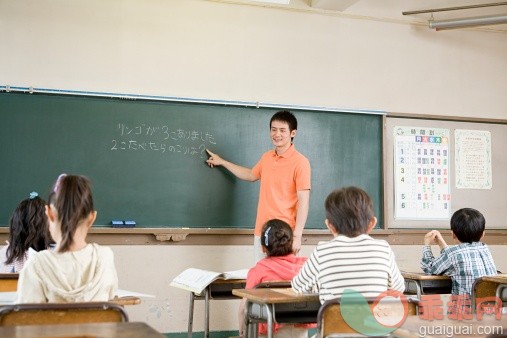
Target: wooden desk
x=10, y=298
x=277, y=305
x=414, y=327
x=126, y=300
x=219, y=289
x=423, y=284
x=8, y=282
x=92, y=330
x=501, y=282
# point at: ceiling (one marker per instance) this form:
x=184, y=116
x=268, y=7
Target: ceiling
x=391, y=10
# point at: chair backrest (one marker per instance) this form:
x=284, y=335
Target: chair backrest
x=482, y=288
x=330, y=320
x=8, y=282
x=485, y=292
x=61, y=313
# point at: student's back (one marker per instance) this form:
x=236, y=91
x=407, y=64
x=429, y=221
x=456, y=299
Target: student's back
x=75, y=270
x=274, y=268
x=352, y=259
x=361, y=263
x=85, y=275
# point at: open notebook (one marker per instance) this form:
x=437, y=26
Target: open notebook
x=196, y=280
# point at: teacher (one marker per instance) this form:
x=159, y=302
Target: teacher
x=285, y=177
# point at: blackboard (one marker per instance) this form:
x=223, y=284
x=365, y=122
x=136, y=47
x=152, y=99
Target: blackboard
x=491, y=202
x=146, y=158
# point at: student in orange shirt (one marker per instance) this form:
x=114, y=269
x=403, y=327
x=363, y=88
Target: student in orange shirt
x=285, y=176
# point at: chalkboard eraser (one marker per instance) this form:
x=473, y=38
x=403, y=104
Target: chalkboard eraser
x=129, y=224
x=116, y=223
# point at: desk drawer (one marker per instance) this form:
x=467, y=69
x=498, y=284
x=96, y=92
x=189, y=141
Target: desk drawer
x=429, y=286
x=304, y=312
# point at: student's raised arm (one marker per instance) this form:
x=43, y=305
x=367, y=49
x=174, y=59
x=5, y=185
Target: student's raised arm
x=240, y=172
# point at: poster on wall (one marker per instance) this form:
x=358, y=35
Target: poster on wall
x=421, y=173
x=473, y=159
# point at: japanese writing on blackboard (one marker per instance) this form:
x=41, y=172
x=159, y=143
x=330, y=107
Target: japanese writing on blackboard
x=145, y=137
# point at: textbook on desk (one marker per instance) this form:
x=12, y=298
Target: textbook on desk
x=196, y=280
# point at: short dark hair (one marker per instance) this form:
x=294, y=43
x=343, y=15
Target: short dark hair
x=349, y=210
x=73, y=200
x=277, y=238
x=468, y=225
x=287, y=117
x=28, y=228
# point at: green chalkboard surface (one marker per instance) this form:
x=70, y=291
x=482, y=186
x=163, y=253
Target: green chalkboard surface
x=146, y=158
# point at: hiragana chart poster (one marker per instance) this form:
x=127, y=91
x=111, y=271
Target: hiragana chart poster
x=421, y=173
x=473, y=159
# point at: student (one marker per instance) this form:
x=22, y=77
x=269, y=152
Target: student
x=28, y=232
x=465, y=262
x=75, y=271
x=279, y=265
x=285, y=180
x=352, y=259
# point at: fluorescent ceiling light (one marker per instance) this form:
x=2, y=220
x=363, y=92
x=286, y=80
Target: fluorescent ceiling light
x=468, y=22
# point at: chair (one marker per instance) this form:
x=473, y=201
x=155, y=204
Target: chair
x=8, y=282
x=330, y=321
x=488, y=293
x=61, y=313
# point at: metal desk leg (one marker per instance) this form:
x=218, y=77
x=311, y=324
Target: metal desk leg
x=269, y=312
x=248, y=326
x=206, y=312
x=419, y=289
x=499, y=291
x=418, y=286
x=190, y=314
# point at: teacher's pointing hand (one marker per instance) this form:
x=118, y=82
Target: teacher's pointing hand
x=213, y=159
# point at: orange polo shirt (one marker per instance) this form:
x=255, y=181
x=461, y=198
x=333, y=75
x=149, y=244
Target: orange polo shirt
x=281, y=176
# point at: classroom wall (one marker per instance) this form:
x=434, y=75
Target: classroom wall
x=221, y=50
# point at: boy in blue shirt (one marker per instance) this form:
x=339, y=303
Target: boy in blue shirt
x=465, y=262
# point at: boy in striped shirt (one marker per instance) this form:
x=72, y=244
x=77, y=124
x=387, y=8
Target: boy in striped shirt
x=352, y=259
